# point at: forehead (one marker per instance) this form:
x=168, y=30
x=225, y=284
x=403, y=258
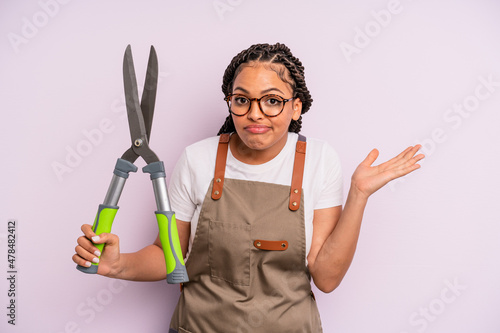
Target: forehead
x=259, y=77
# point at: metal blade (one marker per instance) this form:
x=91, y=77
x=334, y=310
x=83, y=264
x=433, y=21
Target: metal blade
x=136, y=124
x=149, y=92
x=134, y=111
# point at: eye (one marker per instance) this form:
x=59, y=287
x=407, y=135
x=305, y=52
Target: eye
x=273, y=100
x=240, y=100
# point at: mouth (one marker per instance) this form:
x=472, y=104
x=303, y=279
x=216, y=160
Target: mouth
x=257, y=129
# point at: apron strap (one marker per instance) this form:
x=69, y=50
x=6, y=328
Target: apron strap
x=220, y=166
x=298, y=173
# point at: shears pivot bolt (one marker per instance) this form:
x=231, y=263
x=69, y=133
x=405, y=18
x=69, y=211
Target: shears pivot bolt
x=138, y=142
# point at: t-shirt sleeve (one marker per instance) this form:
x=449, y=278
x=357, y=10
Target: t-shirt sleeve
x=180, y=190
x=331, y=188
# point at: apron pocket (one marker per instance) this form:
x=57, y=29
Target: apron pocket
x=229, y=252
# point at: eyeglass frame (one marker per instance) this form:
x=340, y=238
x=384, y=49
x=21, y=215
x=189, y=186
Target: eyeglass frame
x=228, y=97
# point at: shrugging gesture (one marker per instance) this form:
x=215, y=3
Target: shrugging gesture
x=336, y=231
x=368, y=179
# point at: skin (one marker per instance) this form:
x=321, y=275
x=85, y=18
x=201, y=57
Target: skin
x=257, y=140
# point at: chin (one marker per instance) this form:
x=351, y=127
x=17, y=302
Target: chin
x=254, y=144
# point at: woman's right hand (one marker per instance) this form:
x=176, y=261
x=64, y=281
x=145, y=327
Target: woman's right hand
x=86, y=252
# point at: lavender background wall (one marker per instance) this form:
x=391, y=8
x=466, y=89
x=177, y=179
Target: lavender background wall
x=383, y=73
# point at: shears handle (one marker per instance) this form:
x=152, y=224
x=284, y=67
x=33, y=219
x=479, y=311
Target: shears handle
x=169, y=236
x=108, y=209
x=102, y=223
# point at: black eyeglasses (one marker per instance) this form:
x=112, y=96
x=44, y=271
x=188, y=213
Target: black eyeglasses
x=270, y=105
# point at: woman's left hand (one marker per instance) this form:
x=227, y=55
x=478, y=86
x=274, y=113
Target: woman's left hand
x=367, y=179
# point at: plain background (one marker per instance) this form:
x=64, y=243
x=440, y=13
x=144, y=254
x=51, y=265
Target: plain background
x=383, y=74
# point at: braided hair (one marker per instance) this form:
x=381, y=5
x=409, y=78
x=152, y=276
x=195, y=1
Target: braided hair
x=292, y=73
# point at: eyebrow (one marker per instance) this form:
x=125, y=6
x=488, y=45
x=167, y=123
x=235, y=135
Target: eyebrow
x=262, y=92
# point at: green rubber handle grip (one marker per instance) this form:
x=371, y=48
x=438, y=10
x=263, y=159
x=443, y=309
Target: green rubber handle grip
x=102, y=223
x=169, y=237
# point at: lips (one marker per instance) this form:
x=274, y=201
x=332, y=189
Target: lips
x=257, y=129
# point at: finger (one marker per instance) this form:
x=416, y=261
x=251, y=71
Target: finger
x=97, y=239
x=412, y=151
x=370, y=159
x=413, y=160
x=105, y=238
x=404, y=152
x=396, y=161
x=87, y=256
x=86, y=244
x=80, y=261
x=406, y=157
x=87, y=231
x=410, y=166
x=419, y=157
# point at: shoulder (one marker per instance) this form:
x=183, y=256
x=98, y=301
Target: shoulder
x=318, y=149
x=203, y=145
x=204, y=150
x=322, y=162
x=194, y=169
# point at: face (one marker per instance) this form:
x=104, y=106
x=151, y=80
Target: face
x=260, y=138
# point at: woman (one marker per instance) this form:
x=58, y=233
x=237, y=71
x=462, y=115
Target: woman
x=259, y=209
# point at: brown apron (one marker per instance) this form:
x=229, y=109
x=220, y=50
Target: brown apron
x=247, y=264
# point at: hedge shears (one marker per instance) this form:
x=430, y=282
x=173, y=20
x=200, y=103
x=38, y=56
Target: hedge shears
x=140, y=119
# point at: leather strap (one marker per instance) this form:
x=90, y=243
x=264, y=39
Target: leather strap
x=298, y=173
x=220, y=166
x=281, y=245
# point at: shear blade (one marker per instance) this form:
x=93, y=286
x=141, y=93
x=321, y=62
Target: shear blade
x=149, y=93
x=134, y=111
x=139, y=127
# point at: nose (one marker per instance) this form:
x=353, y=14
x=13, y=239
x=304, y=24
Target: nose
x=255, y=113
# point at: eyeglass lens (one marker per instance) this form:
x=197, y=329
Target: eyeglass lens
x=270, y=105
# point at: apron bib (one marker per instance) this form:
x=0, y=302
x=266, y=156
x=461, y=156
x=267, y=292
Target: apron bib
x=247, y=264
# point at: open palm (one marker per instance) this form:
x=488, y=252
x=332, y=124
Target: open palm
x=367, y=179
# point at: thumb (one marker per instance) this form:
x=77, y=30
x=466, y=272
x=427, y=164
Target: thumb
x=105, y=238
x=372, y=156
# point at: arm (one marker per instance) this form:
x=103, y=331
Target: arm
x=147, y=264
x=336, y=232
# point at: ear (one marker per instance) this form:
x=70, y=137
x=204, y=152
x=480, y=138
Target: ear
x=297, y=108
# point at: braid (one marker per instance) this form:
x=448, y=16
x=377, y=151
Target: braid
x=228, y=126
x=295, y=125
x=274, y=54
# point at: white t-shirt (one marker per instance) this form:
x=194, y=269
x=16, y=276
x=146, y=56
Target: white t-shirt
x=322, y=182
